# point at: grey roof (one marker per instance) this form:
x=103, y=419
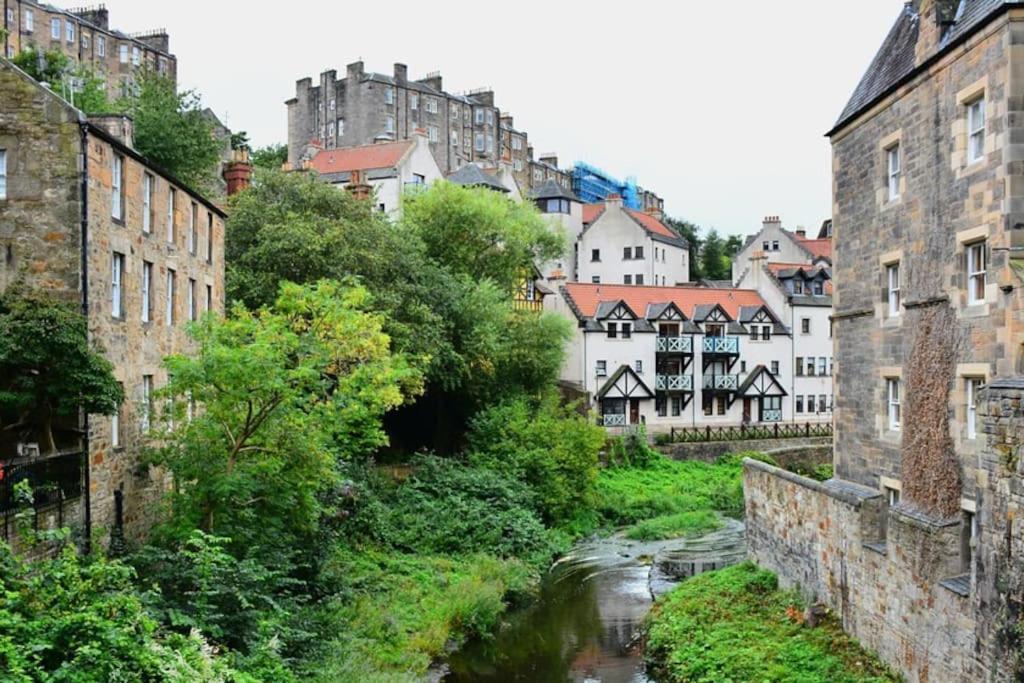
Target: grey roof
x=747, y=313
x=605, y=308
x=825, y=301
x=717, y=284
x=896, y=59
x=654, y=311
x=474, y=176
x=552, y=190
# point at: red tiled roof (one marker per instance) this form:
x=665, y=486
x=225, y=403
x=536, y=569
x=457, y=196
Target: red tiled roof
x=822, y=247
x=652, y=224
x=587, y=296
x=364, y=158
x=591, y=212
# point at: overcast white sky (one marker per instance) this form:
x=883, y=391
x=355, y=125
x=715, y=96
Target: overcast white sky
x=719, y=106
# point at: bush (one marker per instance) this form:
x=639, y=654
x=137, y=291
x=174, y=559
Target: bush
x=681, y=525
x=632, y=450
x=735, y=625
x=553, y=449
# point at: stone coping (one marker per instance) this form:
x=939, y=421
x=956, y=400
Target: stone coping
x=914, y=515
x=961, y=585
x=845, y=491
x=1015, y=383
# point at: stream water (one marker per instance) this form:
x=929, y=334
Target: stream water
x=585, y=625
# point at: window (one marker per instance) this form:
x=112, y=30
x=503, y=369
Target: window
x=596, y=279
x=627, y=253
x=810, y=404
x=117, y=190
x=799, y=400
x=822, y=366
x=517, y=164
x=3, y=174
x=209, y=237
x=209, y=298
x=799, y=366
x=55, y=29
x=810, y=366
x=147, y=401
x=147, y=203
x=639, y=367
x=116, y=289
x=191, y=303
x=821, y=403
x=893, y=174
x=775, y=367
x=389, y=95
x=627, y=279
x=613, y=330
x=517, y=143
x=433, y=134
x=85, y=41
x=431, y=105
x=760, y=332
x=661, y=405
x=169, y=293
x=136, y=56
x=478, y=142
x=892, y=273
x=638, y=252
x=595, y=254
x=389, y=124
x=805, y=325
x=639, y=279
x=171, y=197
x=454, y=111
x=976, y=273
x=454, y=136
x=743, y=366
x=892, y=495
x=775, y=245
x=627, y=330
x=765, y=245
x=976, y=130
x=602, y=368
x=556, y=206
x=819, y=288
x=968, y=538
x=334, y=103
x=677, y=405
x=490, y=117
x=892, y=390
x=192, y=229
x=972, y=386
x=70, y=31
x=490, y=144
x=101, y=46
x=30, y=23
x=330, y=129
x=720, y=404
x=147, y=285
x=122, y=54
x=115, y=424
x=341, y=127
x=478, y=117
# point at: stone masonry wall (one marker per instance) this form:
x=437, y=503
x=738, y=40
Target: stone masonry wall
x=839, y=544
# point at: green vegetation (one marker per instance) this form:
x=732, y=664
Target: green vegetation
x=736, y=625
x=820, y=472
x=680, y=525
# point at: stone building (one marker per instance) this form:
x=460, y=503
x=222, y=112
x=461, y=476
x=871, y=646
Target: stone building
x=910, y=543
x=85, y=217
x=85, y=36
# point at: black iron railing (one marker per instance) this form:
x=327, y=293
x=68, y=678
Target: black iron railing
x=749, y=432
x=54, y=480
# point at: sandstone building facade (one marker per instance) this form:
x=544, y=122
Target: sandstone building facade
x=910, y=542
x=85, y=217
x=84, y=35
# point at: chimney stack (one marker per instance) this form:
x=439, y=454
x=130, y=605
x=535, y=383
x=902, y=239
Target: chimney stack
x=549, y=158
x=772, y=222
x=801, y=231
x=401, y=73
x=117, y=126
x=353, y=72
x=238, y=172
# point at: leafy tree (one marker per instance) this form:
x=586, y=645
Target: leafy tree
x=271, y=157
x=480, y=233
x=714, y=262
x=733, y=244
x=691, y=233
x=47, y=367
x=285, y=392
x=46, y=67
x=77, y=84
x=172, y=131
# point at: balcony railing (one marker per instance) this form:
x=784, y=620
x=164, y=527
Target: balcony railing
x=674, y=383
x=745, y=432
x=725, y=345
x=535, y=305
x=722, y=382
x=614, y=420
x=52, y=479
x=675, y=345
x=771, y=416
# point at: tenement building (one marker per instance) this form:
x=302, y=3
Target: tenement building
x=86, y=218
x=914, y=542
x=84, y=36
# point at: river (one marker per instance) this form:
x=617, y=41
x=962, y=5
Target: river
x=585, y=624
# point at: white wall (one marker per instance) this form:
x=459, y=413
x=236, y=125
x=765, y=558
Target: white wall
x=610, y=234
x=789, y=251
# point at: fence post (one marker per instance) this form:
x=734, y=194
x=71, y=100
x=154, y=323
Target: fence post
x=708, y=432
x=807, y=431
x=672, y=436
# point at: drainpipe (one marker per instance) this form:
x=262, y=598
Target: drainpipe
x=84, y=193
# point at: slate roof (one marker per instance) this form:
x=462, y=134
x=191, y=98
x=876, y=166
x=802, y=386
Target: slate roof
x=895, y=60
x=552, y=190
x=473, y=176
x=362, y=158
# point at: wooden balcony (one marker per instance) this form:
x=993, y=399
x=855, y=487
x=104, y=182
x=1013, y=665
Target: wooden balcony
x=535, y=305
x=721, y=382
x=722, y=346
x=683, y=345
x=674, y=383
x=614, y=420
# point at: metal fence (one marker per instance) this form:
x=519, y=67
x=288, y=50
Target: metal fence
x=55, y=480
x=749, y=432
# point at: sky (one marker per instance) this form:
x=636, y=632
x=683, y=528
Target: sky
x=719, y=107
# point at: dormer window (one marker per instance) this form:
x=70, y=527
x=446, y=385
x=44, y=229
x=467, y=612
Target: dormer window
x=555, y=205
x=613, y=330
x=819, y=288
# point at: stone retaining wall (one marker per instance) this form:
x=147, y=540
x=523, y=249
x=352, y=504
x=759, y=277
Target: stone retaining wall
x=806, y=451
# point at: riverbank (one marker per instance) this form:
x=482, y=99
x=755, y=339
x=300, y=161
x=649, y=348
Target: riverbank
x=735, y=624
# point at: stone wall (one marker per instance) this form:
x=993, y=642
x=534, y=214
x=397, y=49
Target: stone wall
x=878, y=568
x=807, y=451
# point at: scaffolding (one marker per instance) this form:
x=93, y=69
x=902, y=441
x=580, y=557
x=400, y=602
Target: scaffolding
x=591, y=185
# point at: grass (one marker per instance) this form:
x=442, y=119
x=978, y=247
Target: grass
x=680, y=525
x=402, y=611
x=736, y=625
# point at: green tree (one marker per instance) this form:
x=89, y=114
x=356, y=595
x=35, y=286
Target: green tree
x=285, y=393
x=172, y=131
x=271, y=157
x=47, y=367
x=46, y=67
x=714, y=263
x=691, y=233
x=79, y=85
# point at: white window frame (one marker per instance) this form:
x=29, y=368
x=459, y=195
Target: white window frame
x=55, y=28
x=171, y=201
x=601, y=368
x=976, y=130
x=971, y=387
x=147, y=402
x=389, y=95
x=389, y=123
x=414, y=101
x=115, y=427
x=172, y=284
x=147, y=288
x=101, y=46
x=117, y=285
x=30, y=21
x=117, y=184
x=209, y=237
x=147, y=203
x=122, y=53
x=69, y=31
x=478, y=142
x=892, y=401
x=432, y=105
x=892, y=276
x=136, y=55
x=894, y=165
x=976, y=265
x=478, y=116
x=3, y=174
x=193, y=229
x=191, y=303
x=433, y=135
